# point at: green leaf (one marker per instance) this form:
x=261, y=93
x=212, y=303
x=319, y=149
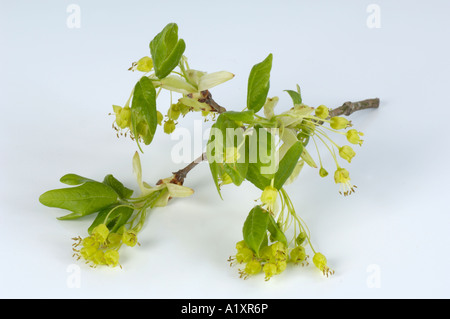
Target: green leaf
x=276, y=232
x=254, y=176
x=82, y=200
x=244, y=116
x=74, y=179
x=113, y=217
x=226, y=133
x=255, y=228
x=166, y=50
x=287, y=164
x=258, y=84
x=143, y=110
x=262, y=157
x=295, y=96
x=117, y=186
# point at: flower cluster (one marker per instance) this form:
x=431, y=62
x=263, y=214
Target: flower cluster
x=271, y=260
x=313, y=124
x=102, y=246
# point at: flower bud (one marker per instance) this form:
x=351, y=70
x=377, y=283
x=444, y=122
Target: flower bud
x=145, y=64
x=169, y=126
x=322, y=112
x=347, y=153
x=353, y=136
x=339, y=122
x=300, y=238
x=323, y=172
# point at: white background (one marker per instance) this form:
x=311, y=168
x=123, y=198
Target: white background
x=57, y=85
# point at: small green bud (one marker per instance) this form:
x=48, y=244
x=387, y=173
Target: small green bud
x=323, y=172
x=300, y=238
x=322, y=112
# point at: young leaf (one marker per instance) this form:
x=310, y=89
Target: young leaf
x=254, y=176
x=295, y=95
x=166, y=50
x=74, y=179
x=143, y=110
x=258, y=84
x=244, y=116
x=255, y=228
x=118, y=187
x=276, y=232
x=82, y=200
x=287, y=164
x=113, y=217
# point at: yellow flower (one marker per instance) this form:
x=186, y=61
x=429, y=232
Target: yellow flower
x=353, y=136
x=111, y=257
x=339, y=122
x=123, y=116
x=269, y=195
x=129, y=238
x=347, y=153
x=320, y=262
x=100, y=233
x=342, y=176
x=169, y=126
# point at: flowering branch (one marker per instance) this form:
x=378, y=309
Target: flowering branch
x=347, y=109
